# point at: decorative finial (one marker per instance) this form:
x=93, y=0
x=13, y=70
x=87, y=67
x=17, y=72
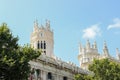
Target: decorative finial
x=117, y=51
x=36, y=23
x=4, y=24
x=48, y=24
x=105, y=45
x=105, y=50
x=95, y=45
x=88, y=44
x=80, y=47
x=117, y=54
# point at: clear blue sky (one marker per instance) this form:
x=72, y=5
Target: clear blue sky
x=73, y=21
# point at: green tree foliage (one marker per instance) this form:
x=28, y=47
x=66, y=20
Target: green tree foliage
x=14, y=60
x=83, y=77
x=104, y=69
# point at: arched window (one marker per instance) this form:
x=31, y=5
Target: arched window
x=41, y=45
x=38, y=45
x=49, y=75
x=64, y=78
x=44, y=45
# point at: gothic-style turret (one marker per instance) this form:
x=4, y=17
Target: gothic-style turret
x=117, y=54
x=36, y=26
x=88, y=45
x=80, y=48
x=48, y=24
x=87, y=54
x=95, y=45
x=84, y=50
x=42, y=38
x=105, y=50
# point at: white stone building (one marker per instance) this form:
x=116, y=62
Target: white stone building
x=48, y=66
x=88, y=53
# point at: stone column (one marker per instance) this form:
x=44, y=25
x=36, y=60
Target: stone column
x=57, y=77
x=41, y=75
x=44, y=75
x=60, y=77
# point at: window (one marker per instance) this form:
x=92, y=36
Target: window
x=49, y=75
x=64, y=78
x=41, y=45
x=44, y=45
x=38, y=45
x=38, y=73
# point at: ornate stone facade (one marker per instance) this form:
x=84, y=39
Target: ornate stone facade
x=88, y=53
x=48, y=66
x=42, y=38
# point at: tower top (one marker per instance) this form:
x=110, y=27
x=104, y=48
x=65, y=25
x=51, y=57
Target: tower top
x=88, y=44
x=105, y=50
x=36, y=27
x=36, y=23
x=117, y=54
x=105, y=45
x=42, y=38
x=47, y=24
x=95, y=45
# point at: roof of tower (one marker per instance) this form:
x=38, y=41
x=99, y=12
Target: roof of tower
x=95, y=45
x=105, y=45
x=48, y=24
x=36, y=23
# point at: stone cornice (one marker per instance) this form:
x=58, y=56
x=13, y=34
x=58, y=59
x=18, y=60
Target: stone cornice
x=61, y=65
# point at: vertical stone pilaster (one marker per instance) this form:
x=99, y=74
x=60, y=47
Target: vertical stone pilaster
x=44, y=75
x=57, y=77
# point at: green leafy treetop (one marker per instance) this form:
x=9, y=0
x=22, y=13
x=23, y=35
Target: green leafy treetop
x=104, y=69
x=14, y=60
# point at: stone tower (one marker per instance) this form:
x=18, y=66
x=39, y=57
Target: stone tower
x=42, y=38
x=87, y=54
x=90, y=52
x=105, y=50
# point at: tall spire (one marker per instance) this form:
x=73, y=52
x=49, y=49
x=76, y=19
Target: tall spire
x=47, y=24
x=117, y=54
x=88, y=45
x=95, y=45
x=105, y=45
x=80, y=48
x=36, y=24
x=105, y=50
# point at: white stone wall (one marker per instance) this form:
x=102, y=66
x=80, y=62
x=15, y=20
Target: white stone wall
x=58, y=68
x=43, y=33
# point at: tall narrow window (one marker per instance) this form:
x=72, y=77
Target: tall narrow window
x=38, y=73
x=38, y=45
x=64, y=78
x=44, y=45
x=41, y=45
x=49, y=75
